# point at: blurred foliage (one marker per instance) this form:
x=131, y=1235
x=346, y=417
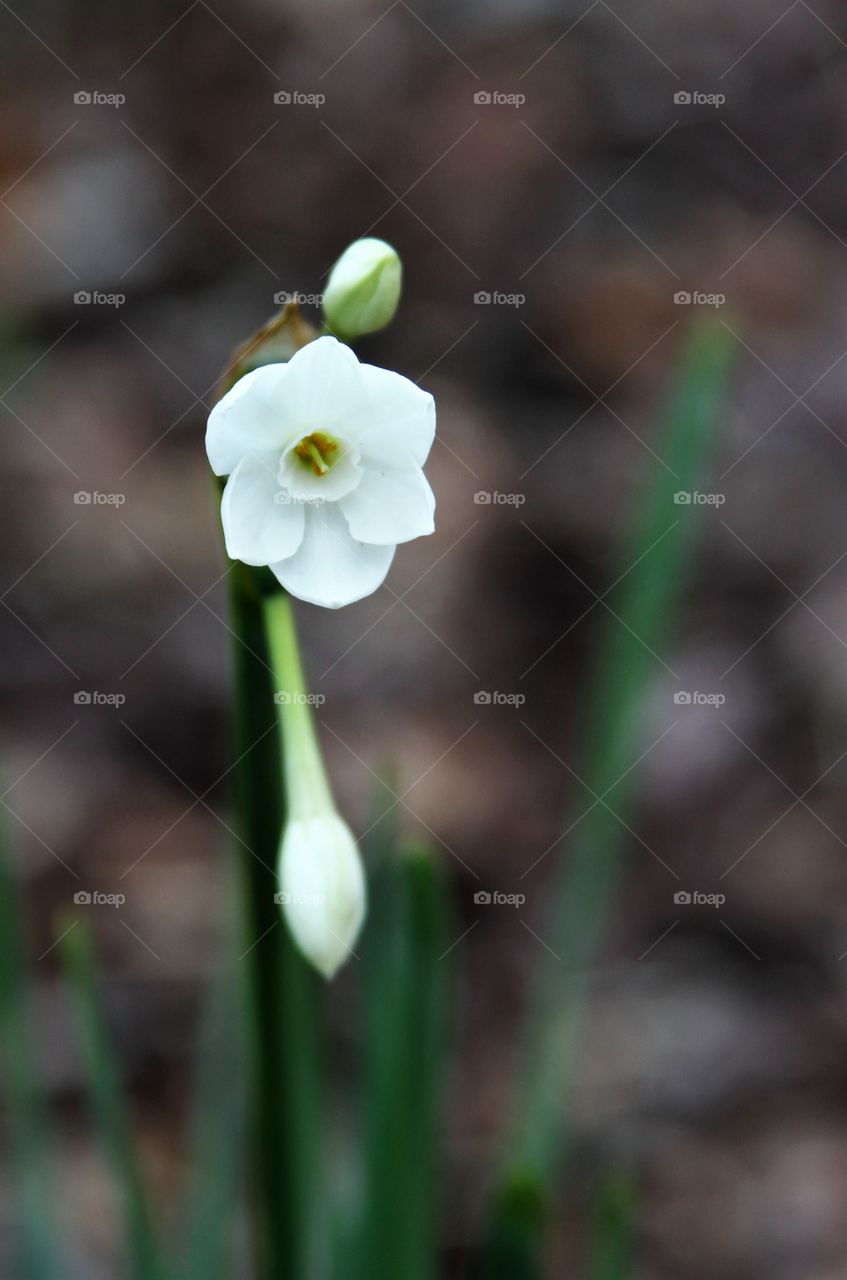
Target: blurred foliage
x=405, y=978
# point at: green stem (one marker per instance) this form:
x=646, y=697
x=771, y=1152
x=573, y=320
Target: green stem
x=281, y=992
x=405, y=982
x=306, y=786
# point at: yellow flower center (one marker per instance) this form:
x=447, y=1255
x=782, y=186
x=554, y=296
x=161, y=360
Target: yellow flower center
x=316, y=451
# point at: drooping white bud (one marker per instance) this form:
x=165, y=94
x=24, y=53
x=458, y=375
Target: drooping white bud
x=323, y=889
x=363, y=289
x=321, y=880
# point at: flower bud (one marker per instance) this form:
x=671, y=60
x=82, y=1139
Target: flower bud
x=320, y=874
x=323, y=888
x=363, y=289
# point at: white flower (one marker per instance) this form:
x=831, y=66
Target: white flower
x=323, y=888
x=363, y=289
x=324, y=459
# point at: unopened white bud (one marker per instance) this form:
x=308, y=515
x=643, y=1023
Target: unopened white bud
x=363, y=288
x=320, y=872
x=323, y=889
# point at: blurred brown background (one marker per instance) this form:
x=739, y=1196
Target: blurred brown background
x=616, y=180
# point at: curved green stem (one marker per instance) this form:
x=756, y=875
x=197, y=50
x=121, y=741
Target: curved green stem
x=306, y=786
x=281, y=991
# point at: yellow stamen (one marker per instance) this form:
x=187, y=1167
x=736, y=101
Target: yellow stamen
x=314, y=450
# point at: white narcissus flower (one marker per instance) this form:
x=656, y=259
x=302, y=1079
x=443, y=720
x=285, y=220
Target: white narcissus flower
x=323, y=888
x=324, y=459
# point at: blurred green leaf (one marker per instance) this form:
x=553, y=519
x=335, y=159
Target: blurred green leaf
x=653, y=558
x=610, y=1255
x=512, y=1248
x=404, y=978
x=377, y=845
x=24, y=1115
x=215, y=1151
x=110, y=1105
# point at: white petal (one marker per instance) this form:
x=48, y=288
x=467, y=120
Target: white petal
x=330, y=568
x=396, y=422
x=322, y=384
x=390, y=505
x=323, y=889
x=247, y=420
x=260, y=523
